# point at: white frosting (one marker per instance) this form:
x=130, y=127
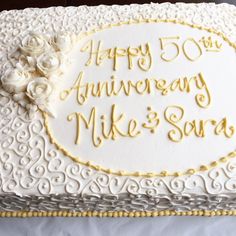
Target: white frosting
x=29, y=164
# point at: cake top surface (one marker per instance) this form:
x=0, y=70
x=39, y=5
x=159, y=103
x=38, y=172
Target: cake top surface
x=141, y=91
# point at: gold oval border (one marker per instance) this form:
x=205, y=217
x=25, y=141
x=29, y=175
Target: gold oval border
x=189, y=171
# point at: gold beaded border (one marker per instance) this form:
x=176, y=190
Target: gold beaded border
x=23, y=214
x=164, y=173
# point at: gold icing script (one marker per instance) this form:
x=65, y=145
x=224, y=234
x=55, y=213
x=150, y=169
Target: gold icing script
x=115, y=124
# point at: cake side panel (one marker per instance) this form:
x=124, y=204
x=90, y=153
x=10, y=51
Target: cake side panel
x=125, y=203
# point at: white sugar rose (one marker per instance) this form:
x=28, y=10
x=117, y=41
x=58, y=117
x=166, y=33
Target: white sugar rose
x=15, y=81
x=33, y=44
x=39, y=90
x=48, y=64
x=62, y=42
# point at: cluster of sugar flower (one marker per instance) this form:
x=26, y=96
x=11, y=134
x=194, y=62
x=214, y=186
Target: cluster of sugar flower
x=37, y=64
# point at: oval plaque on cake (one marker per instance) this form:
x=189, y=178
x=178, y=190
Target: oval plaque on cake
x=157, y=100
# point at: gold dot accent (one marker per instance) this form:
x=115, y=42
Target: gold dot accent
x=224, y=159
x=191, y=171
x=214, y=164
x=203, y=168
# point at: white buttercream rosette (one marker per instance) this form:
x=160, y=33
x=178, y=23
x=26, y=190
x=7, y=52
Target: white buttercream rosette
x=15, y=81
x=34, y=44
x=62, y=42
x=39, y=91
x=49, y=64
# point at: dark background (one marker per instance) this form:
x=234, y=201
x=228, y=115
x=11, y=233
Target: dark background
x=20, y=4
